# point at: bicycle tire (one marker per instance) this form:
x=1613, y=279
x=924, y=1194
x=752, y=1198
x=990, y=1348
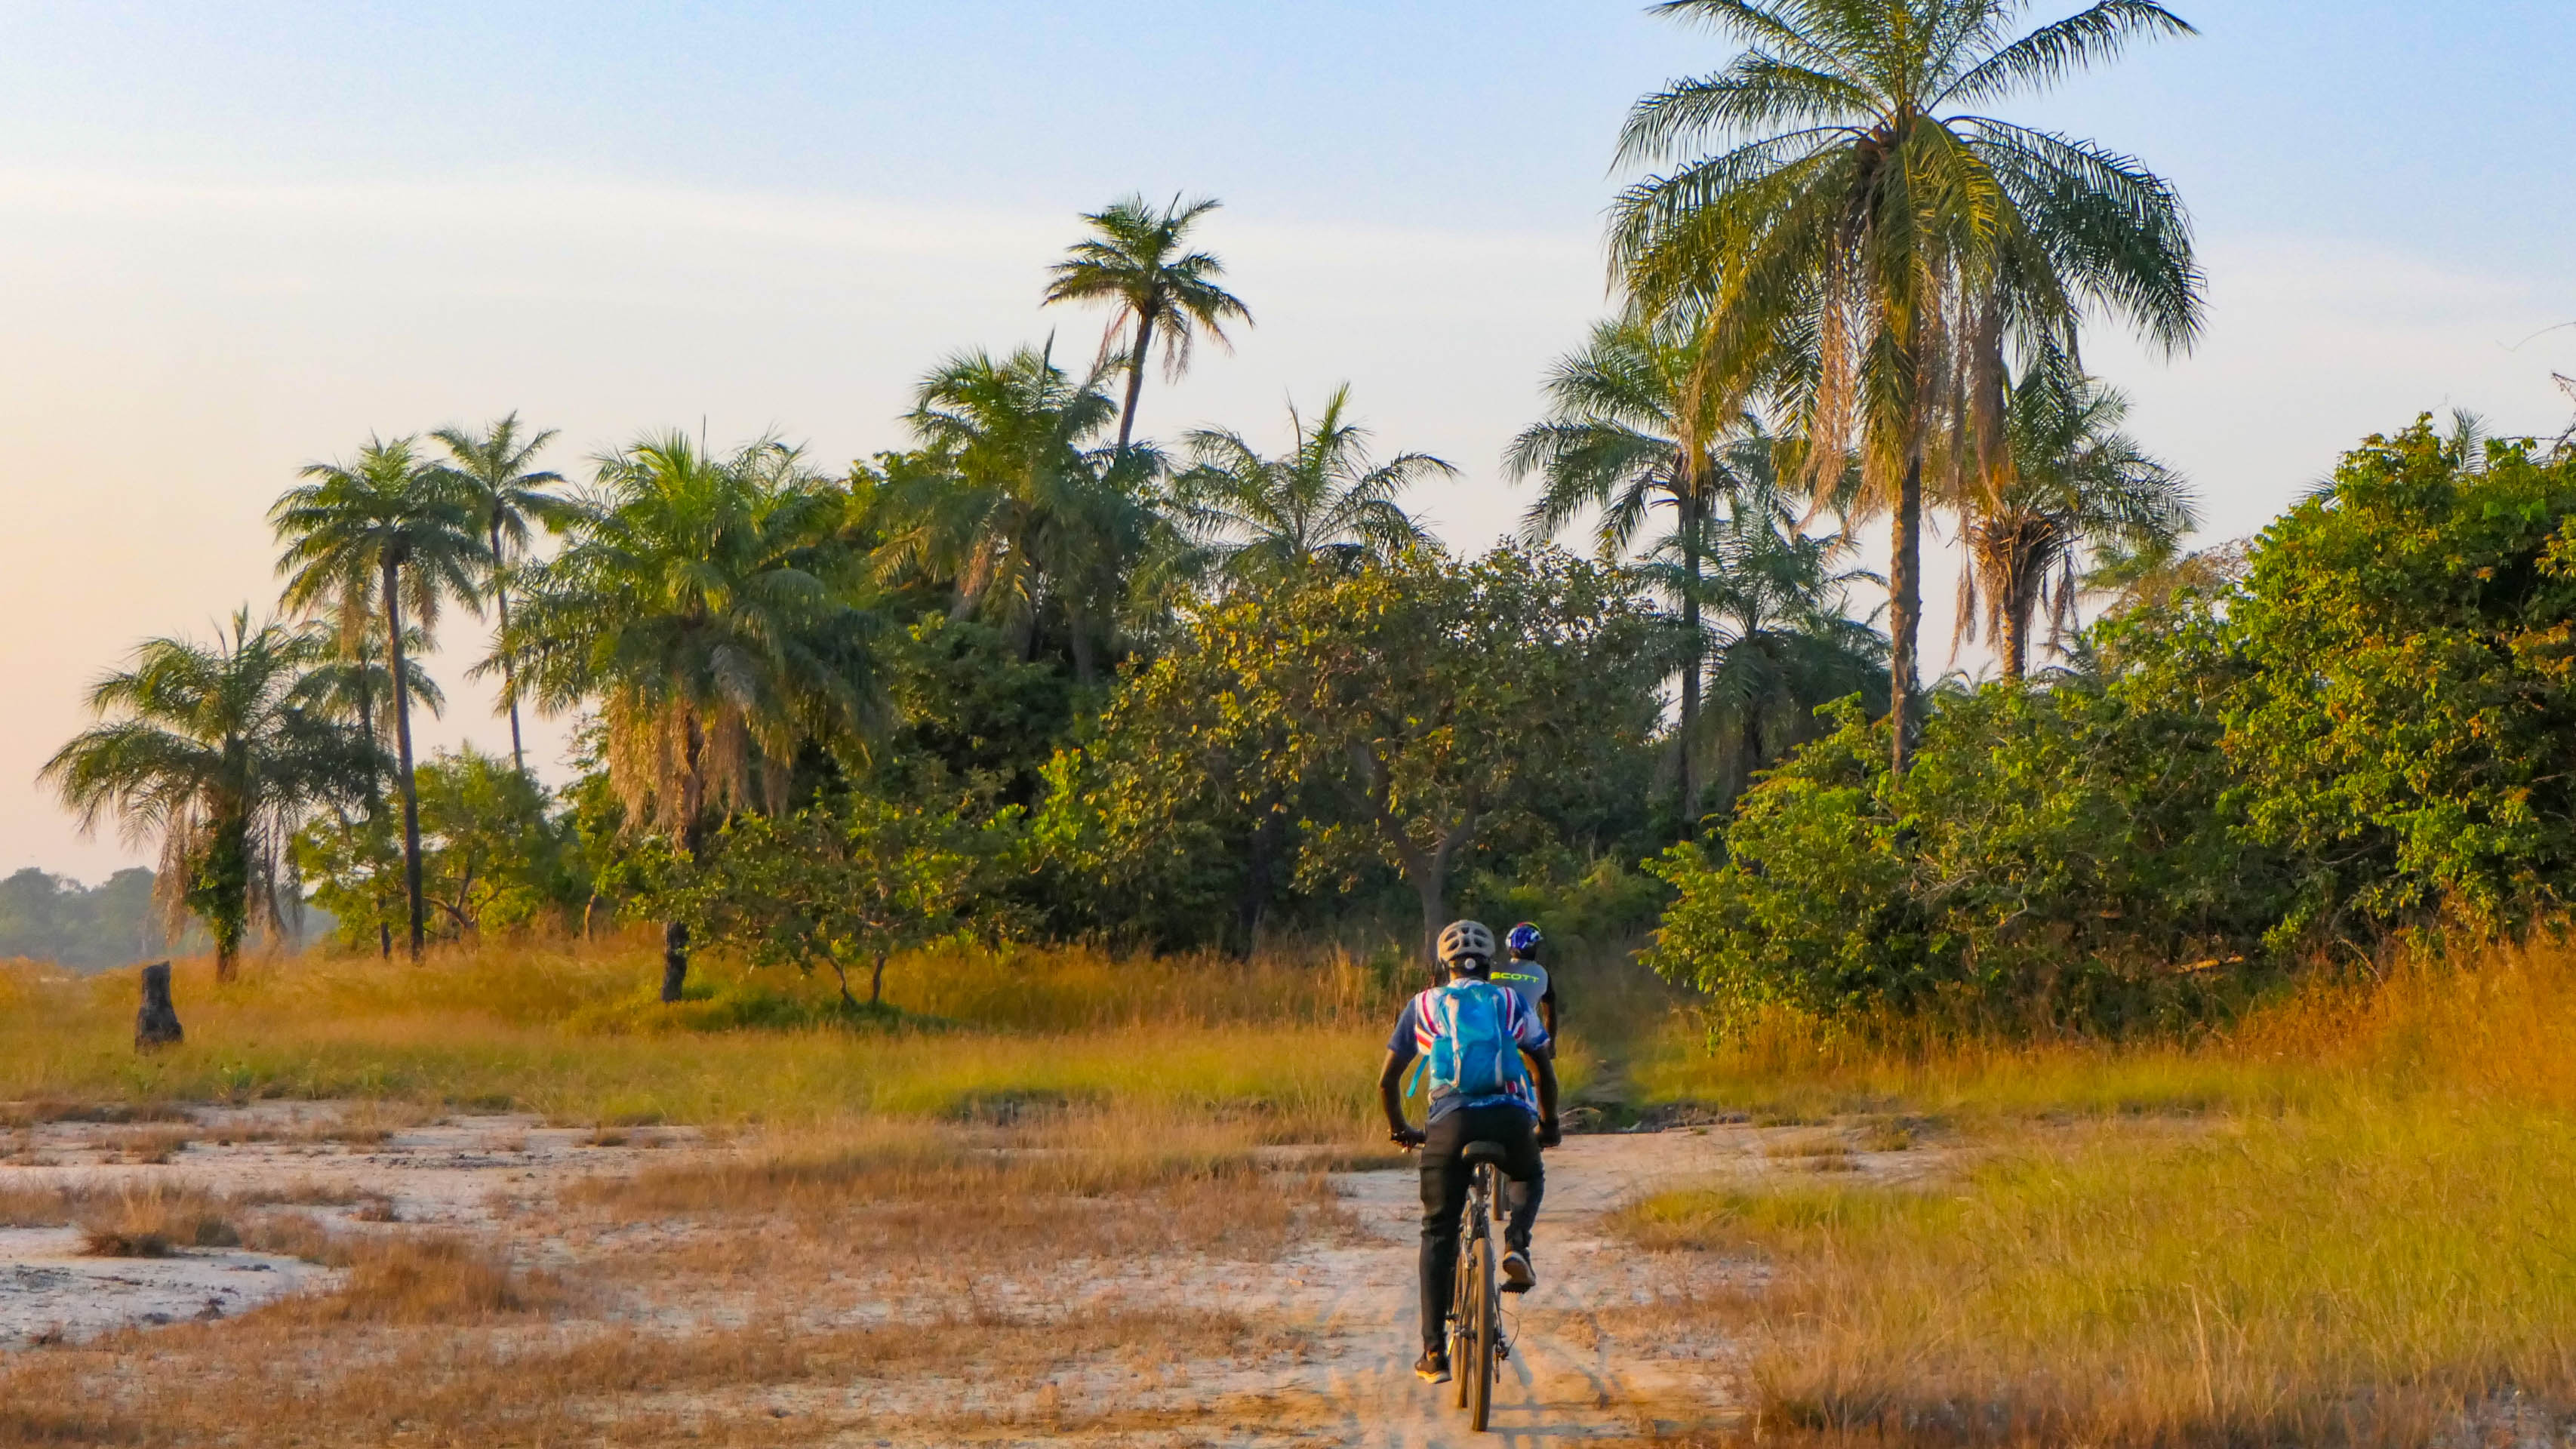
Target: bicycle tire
x=1461, y=1317
x=1487, y=1327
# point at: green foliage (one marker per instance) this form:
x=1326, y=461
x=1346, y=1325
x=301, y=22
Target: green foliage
x=495, y=856
x=2405, y=642
x=220, y=751
x=2365, y=736
x=1396, y=717
x=849, y=881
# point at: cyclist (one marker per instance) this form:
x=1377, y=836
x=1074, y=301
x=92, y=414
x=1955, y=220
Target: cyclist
x=1524, y=974
x=1476, y=1034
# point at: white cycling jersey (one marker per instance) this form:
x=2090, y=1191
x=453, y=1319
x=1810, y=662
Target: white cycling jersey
x=1526, y=977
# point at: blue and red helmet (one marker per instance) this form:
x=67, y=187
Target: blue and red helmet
x=1523, y=939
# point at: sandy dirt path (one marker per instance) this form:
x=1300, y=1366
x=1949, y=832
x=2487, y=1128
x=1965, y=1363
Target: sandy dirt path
x=1588, y=1363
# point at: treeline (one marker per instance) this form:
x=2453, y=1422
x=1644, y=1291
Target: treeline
x=2355, y=732
x=1039, y=671
x=47, y=917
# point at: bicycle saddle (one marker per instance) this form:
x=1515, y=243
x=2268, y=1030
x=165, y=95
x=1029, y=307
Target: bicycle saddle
x=1485, y=1152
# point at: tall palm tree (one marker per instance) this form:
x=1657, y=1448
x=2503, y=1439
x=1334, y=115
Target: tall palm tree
x=698, y=604
x=351, y=677
x=1640, y=423
x=396, y=515
x=1134, y=260
x=215, y=748
x=1780, y=640
x=1024, y=513
x=1859, y=196
x=1325, y=500
x=495, y=469
x=2068, y=483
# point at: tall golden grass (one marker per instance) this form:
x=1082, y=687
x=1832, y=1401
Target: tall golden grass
x=2362, y=1237
x=571, y=1031
x=2491, y=1027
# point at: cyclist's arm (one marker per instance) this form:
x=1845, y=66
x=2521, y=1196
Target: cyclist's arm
x=1547, y=1011
x=1390, y=1085
x=1545, y=1062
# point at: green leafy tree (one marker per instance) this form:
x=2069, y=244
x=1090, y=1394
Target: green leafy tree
x=1434, y=700
x=852, y=880
x=1137, y=260
x=701, y=605
x=2405, y=672
x=496, y=469
x=213, y=748
x=1862, y=199
x=1325, y=501
x=495, y=856
x=2068, y=484
x=393, y=514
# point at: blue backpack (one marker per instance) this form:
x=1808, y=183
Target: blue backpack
x=1473, y=1051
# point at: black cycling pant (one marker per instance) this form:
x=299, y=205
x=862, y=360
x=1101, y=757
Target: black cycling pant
x=1444, y=1197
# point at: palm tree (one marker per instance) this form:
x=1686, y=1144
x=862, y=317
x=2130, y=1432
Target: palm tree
x=216, y=748
x=1859, y=199
x=2069, y=483
x=1134, y=260
x=1640, y=422
x=1325, y=500
x=345, y=685
x=698, y=605
x=1780, y=640
x=494, y=469
x=1020, y=512
x=402, y=518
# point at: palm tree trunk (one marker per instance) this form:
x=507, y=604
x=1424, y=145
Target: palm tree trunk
x=509, y=671
x=2014, y=621
x=1905, y=611
x=1691, y=645
x=1135, y=377
x=375, y=806
x=402, y=751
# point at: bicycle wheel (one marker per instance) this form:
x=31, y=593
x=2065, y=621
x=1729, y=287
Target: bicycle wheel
x=1486, y=1327
x=1462, y=1315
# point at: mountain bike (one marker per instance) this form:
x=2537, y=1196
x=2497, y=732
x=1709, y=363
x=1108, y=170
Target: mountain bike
x=1476, y=1340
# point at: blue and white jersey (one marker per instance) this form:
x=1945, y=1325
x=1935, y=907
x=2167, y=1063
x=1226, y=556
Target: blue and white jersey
x=1430, y=1016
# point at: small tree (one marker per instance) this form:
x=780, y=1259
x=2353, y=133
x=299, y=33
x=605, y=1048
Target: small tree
x=850, y=881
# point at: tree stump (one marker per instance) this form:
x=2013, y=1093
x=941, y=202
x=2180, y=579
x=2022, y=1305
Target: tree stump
x=157, y=1024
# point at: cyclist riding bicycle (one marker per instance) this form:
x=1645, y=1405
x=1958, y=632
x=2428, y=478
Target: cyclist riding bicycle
x=1524, y=974
x=1475, y=1035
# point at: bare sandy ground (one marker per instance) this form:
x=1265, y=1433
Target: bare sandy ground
x=1590, y=1361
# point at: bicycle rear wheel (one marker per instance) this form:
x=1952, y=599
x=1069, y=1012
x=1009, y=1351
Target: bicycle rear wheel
x=1485, y=1331
x=1462, y=1313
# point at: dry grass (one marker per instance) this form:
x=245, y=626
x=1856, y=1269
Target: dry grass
x=152, y=1219
x=2358, y=1237
x=559, y=1031
x=625, y=1384
x=1087, y=1184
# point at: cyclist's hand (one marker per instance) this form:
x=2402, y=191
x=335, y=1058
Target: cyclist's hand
x=1550, y=1133
x=1408, y=1138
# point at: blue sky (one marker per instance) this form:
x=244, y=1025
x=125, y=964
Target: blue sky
x=237, y=237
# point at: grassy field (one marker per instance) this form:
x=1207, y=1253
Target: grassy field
x=2341, y=1219
x=571, y=1031
x=2345, y=1220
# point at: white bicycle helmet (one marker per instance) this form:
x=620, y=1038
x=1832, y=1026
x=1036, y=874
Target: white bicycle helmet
x=1462, y=939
